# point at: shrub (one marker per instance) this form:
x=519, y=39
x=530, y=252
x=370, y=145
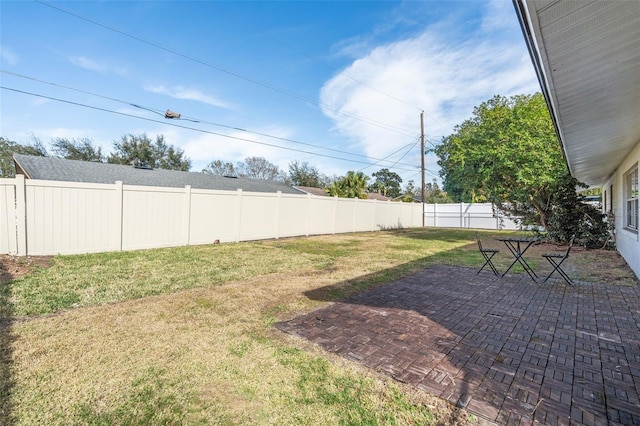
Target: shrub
x=570, y=215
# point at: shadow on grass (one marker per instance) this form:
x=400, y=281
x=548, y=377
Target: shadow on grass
x=466, y=255
x=6, y=351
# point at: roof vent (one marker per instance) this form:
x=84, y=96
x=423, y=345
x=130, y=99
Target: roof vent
x=231, y=176
x=141, y=165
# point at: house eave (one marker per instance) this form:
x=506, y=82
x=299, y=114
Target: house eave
x=587, y=58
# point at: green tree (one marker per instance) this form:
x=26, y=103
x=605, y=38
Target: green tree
x=410, y=192
x=77, y=149
x=221, y=168
x=302, y=174
x=8, y=148
x=353, y=185
x=157, y=154
x=387, y=183
x=433, y=194
x=260, y=168
x=508, y=154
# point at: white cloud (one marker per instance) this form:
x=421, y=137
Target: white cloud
x=92, y=65
x=497, y=16
x=86, y=63
x=8, y=56
x=188, y=93
x=431, y=72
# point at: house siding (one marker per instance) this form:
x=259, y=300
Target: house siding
x=627, y=241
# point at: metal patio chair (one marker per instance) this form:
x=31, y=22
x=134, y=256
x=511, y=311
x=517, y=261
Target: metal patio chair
x=556, y=259
x=488, y=255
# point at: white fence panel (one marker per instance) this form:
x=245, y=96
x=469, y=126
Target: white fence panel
x=344, y=215
x=258, y=217
x=467, y=215
x=214, y=216
x=8, y=230
x=65, y=218
x=479, y=216
x=152, y=217
x=407, y=216
x=321, y=215
x=293, y=215
x=364, y=215
x=442, y=215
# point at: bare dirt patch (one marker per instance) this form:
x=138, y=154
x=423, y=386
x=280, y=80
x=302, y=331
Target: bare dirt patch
x=593, y=265
x=12, y=267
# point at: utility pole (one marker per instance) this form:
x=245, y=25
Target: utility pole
x=422, y=162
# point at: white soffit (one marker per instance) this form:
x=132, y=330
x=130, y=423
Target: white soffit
x=588, y=55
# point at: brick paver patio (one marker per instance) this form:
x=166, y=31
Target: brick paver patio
x=509, y=350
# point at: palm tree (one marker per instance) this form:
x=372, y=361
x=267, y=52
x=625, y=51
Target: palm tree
x=353, y=185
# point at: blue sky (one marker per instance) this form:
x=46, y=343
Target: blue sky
x=340, y=85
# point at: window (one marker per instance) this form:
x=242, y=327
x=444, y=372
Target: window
x=611, y=198
x=631, y=195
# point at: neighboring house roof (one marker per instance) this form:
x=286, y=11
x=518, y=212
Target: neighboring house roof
x=379, y=197
x=47, y=168
x=587, y=57
x=322, y=193
x=312, y=190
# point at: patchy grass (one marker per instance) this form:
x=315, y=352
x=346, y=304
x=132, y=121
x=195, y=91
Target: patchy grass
x=184, y=335
x=94, y=279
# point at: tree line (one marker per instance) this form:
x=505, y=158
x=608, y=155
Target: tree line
x=157, y=153
x=128, y=150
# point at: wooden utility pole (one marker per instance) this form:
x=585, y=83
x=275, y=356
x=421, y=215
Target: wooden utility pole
x=422, y=162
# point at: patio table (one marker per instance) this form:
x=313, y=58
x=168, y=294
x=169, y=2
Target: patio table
x=518, y=246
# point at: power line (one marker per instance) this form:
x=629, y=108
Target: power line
x=411, y=145
x=186, y=127
x=405, y=154
x=196, y=120
x=223, y=70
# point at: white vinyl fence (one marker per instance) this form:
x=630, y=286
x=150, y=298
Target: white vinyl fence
x=40, y=217
x=465, y=215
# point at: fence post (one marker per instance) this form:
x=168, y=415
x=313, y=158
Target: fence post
x=238, y=215
x=435, y=214
x=119, y=212
x=335, y=212
x=8, y=217
x=306, y=216
x=373, y=215
x=186, y=212
x=21, y=215
x=277, y=214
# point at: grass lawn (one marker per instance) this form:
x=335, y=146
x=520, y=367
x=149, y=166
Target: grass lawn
x=184, y=335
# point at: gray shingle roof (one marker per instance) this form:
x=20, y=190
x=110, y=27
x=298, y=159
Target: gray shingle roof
x=312, y=190
x=322, y=193
x=47, y=168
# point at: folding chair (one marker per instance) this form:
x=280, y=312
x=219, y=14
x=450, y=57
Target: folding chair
x=488, y=255
x=556, y=259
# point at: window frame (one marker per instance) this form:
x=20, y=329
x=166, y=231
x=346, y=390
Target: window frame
x=631, y=199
